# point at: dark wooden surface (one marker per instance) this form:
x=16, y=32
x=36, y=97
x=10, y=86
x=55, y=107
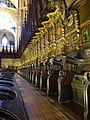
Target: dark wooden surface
x=42, y=107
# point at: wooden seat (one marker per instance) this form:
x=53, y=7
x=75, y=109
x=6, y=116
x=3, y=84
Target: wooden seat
x=66, y=88
x=68, y=78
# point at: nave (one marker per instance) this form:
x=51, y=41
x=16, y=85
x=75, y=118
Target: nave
x=48, y=43
x=42, y=107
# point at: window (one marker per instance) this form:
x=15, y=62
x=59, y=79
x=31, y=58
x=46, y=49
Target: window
x=8, y=26
x=6, y=3
x=4, y=41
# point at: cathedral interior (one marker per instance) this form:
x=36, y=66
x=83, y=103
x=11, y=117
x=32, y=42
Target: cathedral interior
x=44, y=59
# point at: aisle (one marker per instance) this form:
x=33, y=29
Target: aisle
x=37, y=106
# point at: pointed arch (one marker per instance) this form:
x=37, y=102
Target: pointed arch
x=10, y=13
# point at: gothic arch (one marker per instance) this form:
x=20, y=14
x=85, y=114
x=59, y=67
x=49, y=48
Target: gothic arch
x=11, y=14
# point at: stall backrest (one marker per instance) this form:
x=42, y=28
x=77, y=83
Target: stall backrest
x=68, y=78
